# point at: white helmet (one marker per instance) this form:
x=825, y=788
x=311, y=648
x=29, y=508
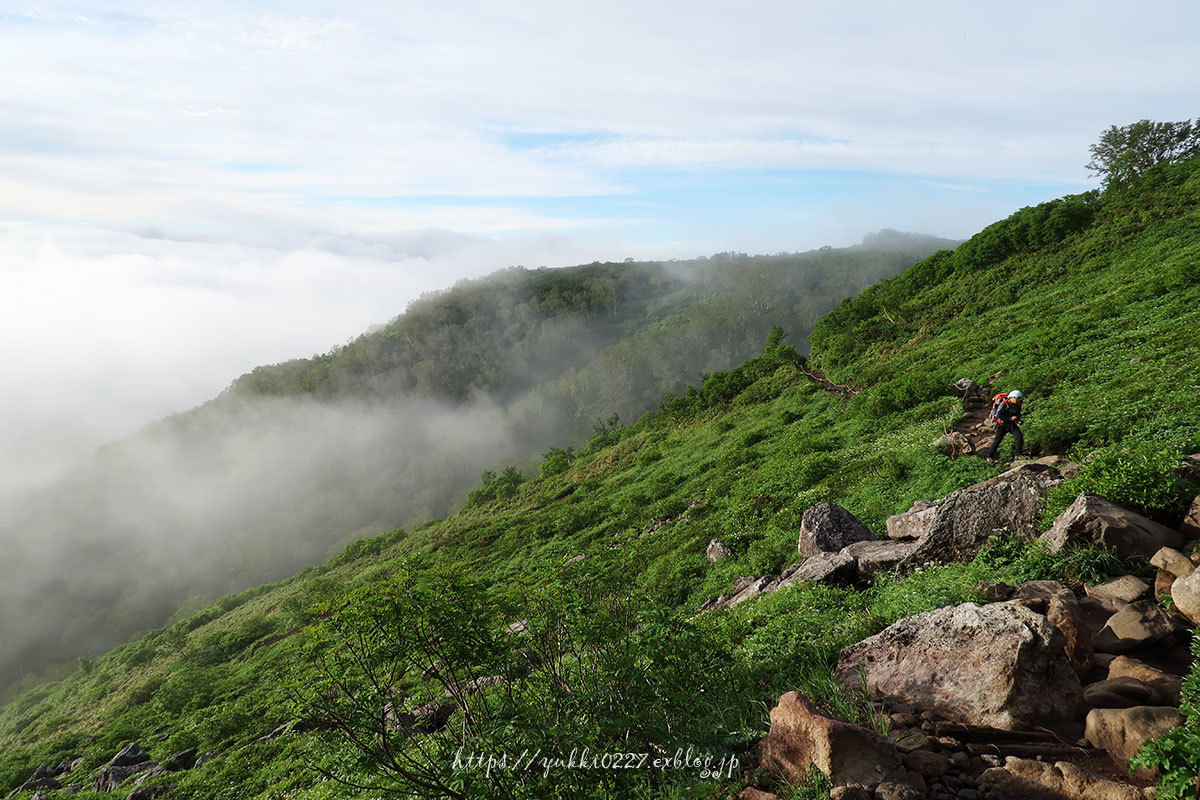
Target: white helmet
x=1015, y=394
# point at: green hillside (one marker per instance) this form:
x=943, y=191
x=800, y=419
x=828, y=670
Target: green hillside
x=298, y=459
x=561, y=609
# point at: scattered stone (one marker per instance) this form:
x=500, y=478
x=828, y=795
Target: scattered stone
x=891, y=790
x=430, y=717
x=912, y=740
x=903, y=719
x=184, y=759
x=1036, y=595
x=1026, y=778
x=150, y=774
x=131, y=753
x=1122, y=692
x=927, y=764
x=111, y=777
x=753, y=589
x=850, y=791
x=801, y=736
x=995, y=591
x=1125, y=589
x=147, y=792
x=1136, y=625
x=1095, y=519
x=1185, y=595
x=822, y=568
x=911, y=525
x=1172, y=561
x=876, y=556
x=717, y=551
x=1065, y=614
x=828, y=528
x=1168, y=685
x=999, y=665
x=750, y=793
x=1191, y=521
x=1122, y=731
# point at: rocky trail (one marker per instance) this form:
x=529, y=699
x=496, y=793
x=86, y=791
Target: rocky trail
x=1040, y=691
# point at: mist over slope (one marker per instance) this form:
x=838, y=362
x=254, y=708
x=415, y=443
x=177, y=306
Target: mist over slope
x=297, y=459
x=1090, y=304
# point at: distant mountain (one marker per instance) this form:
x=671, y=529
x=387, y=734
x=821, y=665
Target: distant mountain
x=296, y=459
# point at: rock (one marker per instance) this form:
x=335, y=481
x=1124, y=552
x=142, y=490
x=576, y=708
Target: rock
x=111, y=777
x=913, y=740
x=274, y=734
x=1121, y=731
x=801, y=736
x=1092, y=518
x=750, y=793
x=965, y=520
x=717, y=551
x=428, y=717
x=999, y=665
x=150, y=774
x=1171, y=560
x=1185, y=595
x=1037, y=780
x=995, y=591
x=1138, y=624
x=38, y=780
x=1036, y=594
x=1162, y=583
x=184, y=759
x=876, y=556
x=850, y=791
x=828, y=528
x=1189, y=468
x=147, y=792
x=1121, y=692
x=891, y=790
x=911, y=525
x=131, y=753
x=753, y=589
x=1168, y=685
x=1033, y=470
x=953, y=444
x=1065, y=614
x=822, y=568
x=1125, y=589
x=1191, y=521
x=927, y=764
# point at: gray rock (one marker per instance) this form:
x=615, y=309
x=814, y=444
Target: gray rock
x=964, y=521
x=821, y=568
x=1136, y=625
x=999, y=665
x=876, y=556
x=1125, y=589
x=911, y=525
x=1092, y=518
x=1171, y=560
x=110, y=778
x=828, y=528
x=717, y=551
x=131, y=753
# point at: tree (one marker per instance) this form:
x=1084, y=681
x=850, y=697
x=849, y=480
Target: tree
x=1124, y=153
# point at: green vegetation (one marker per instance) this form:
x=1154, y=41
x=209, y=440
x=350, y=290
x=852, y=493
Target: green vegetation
x=560, y=605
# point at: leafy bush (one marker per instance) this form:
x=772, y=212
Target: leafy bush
x=1139, y=475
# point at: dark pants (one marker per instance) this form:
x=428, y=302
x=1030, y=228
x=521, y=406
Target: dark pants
x=1003, y=429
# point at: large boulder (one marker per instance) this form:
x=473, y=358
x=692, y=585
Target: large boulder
x=828, y=528
x=801, y=736
x=1124, y=590
x=110, y=778
x=964, y=521
x=1092, y=518
x=131, y=753
x=822, y=568
x=1169, y=685
x=1185, y=595
x=1122, y=731
x=1136, y=625
x=999, y=665
x=1037, y=780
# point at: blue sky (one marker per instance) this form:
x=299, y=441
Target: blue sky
x=190, y=189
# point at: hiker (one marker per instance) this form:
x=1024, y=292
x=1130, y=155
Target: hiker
x=1006, y=414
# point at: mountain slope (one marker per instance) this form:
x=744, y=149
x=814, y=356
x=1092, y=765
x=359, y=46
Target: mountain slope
x=297, y=459
x=1094, y=317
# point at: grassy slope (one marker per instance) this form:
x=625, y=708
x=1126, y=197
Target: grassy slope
x=1097, y=322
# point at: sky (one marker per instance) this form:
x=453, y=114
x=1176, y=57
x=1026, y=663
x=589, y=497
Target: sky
x=190, y=189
